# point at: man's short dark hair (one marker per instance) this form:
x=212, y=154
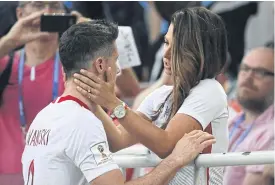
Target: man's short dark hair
x=84, y=42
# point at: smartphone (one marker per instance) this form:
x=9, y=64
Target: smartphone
x=56, y=22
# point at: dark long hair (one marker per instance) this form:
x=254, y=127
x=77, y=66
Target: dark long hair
x=199, y=51
x=5, y=76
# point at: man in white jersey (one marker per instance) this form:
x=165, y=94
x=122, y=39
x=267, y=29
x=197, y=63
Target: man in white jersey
x=66, y=144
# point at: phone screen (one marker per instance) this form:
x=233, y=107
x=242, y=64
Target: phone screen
x=56, y=23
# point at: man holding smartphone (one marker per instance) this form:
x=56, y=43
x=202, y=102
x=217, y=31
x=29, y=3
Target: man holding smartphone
x=67, y=143
x=26, y=81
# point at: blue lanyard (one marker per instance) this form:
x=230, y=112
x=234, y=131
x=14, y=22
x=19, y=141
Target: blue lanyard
x=20, y=80
x=244, y=134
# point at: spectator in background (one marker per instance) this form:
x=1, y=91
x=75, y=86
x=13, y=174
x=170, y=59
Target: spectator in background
x=235, y=15
x=253, y=129
x=30, y=78
x=8, y=15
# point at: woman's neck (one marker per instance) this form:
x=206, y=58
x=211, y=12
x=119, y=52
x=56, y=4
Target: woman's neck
x=37, y=52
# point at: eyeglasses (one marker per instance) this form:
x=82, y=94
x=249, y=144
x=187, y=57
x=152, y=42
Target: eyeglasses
x=40, y=5
x=257, y=72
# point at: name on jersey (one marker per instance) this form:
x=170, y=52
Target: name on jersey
x=38, y=137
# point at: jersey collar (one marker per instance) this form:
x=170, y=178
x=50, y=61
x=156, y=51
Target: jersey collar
x=72, y=98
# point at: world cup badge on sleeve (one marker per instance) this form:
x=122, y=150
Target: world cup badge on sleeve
x=101, y=153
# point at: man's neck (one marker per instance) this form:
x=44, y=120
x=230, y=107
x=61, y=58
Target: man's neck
x=37, y=52
x=70, y=89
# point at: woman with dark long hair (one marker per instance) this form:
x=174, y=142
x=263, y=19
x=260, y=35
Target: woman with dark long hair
x=195, y=53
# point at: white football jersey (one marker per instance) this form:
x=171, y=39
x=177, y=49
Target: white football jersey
x=66, y=145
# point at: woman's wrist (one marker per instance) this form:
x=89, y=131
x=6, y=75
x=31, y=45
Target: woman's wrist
x=113, y=104
x=97, y=110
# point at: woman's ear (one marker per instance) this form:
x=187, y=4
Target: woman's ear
x=100, y=65
x=19, y=13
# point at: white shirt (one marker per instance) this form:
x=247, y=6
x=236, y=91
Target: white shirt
x=207, y=103
x=66, y=145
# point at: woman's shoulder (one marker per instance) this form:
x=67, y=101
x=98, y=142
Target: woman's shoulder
x=206, y=83
x=209, y=91
x=162, y=91
x=164, y=88
x=208, y=87
x=159, y=94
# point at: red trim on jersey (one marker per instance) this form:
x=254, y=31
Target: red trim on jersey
x=208, y=150
x=31, y=172
x=129, y=174
x=69, y=97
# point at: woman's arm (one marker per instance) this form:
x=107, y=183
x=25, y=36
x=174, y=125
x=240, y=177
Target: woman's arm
x=161, y=142
x=118, y=137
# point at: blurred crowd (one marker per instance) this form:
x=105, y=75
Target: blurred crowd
x=247, y=77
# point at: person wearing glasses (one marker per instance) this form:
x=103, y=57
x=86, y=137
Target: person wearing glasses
x=30, y=78
x=253, y=128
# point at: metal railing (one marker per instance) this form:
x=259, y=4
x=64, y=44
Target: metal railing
x=138, y=157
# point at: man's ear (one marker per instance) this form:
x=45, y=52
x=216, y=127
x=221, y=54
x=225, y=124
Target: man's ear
x=100, y=65
x=64, y=74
